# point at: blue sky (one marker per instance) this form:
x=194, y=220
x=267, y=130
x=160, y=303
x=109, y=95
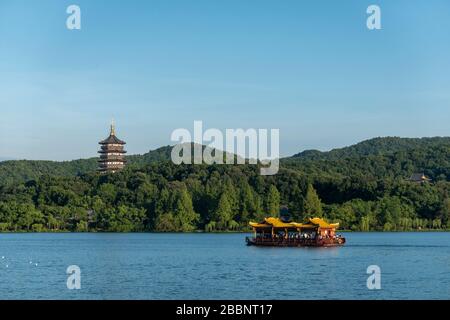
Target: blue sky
x=310, y=68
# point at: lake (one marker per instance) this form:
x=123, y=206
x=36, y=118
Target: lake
x=221, y=266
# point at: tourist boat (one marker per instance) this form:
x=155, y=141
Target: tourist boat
x=275, y=232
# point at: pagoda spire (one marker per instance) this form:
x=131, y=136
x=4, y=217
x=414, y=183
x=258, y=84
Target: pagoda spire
x=113, y=128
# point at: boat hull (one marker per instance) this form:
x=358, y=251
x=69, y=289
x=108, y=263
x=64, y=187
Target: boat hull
x=295, y=242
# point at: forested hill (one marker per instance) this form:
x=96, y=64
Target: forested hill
x=19, y=171
x=377, y=146
x=364, y=187
x=379, y=158
x=388, y=157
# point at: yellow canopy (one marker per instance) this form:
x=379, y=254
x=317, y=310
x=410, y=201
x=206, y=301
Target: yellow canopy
x=277, y=223
x=321, y=223
x=305, y=225
x=260, y=225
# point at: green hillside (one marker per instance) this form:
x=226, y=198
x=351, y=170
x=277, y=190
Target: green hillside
x=19, y=171
x=364, y=187
x=386, y=158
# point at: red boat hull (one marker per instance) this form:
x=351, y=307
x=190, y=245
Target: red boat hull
x=336, y=242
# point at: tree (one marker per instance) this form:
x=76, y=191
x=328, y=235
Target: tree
x=365, y=223
x=247, y=202
x=312, y=204
x=184, y=214
x=165, y=223
x=273, y=201
x=82, y=226
x=145, y=194
x=107, y=192
x=126, y=219
x=297, y=204
x=445, y=213
x=223, y=214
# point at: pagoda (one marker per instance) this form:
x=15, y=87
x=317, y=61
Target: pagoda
x=112, y=154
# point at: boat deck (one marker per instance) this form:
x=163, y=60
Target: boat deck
x=282, y=242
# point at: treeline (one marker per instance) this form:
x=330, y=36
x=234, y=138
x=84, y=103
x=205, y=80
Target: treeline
x=164, y=197
x=364, y=187
x=13, y=172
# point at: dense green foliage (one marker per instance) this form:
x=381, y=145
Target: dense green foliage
x=18, y=171
x=364, y=187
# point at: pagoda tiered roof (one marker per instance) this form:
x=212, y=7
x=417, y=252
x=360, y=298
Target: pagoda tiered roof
x=112, y=139
x=112, y=150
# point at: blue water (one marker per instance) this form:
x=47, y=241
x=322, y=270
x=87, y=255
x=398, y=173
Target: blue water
x=220, y=266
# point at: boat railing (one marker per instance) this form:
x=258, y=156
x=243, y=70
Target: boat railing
x=281, y=240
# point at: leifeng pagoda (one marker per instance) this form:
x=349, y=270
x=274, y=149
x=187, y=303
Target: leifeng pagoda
x=112, y=154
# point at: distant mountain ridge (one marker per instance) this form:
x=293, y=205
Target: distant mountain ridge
x=389, y=158
x=19, y=171
x=375, y=146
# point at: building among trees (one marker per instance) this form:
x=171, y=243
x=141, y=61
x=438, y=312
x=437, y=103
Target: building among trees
x=419, y=178
x=112, y=153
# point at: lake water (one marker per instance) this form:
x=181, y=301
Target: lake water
x=221, y=266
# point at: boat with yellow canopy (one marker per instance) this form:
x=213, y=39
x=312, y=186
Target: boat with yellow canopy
x=275, y=232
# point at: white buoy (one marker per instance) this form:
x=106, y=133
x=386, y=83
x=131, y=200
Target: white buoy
x=3, y=257
x=36, y=264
